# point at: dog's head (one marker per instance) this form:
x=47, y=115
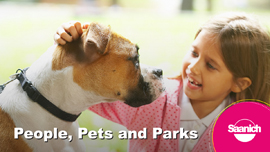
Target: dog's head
x=108, y=65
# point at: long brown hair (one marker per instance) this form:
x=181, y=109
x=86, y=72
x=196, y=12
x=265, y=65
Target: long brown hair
x=245, y=47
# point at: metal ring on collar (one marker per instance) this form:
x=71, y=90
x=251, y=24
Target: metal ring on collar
x=20, y=70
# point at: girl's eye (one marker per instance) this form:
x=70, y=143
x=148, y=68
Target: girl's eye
x=194, y=54
x=210, y=66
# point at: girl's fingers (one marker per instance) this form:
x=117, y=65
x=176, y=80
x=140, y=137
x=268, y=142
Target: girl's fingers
x=69, y=31
x=63, y=34
x=58, y=39
x=78, y=27
x=70, y=28
x=75, y=29
x=85, y=25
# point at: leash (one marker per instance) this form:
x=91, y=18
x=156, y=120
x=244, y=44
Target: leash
x=2, y=87
x=12, y=78
x=37, y=97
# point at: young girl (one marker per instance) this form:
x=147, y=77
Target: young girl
x=228, y=60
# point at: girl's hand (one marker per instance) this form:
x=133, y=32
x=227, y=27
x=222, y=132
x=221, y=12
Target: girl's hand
x=69, y=31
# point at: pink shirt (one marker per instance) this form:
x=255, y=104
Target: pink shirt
x=163, y=113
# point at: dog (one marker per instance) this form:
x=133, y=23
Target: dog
x=101, y=66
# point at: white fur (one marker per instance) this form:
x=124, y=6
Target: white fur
x=155, y=83
x=59, y=88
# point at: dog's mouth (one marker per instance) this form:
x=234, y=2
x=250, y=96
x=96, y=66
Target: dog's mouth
x=141, y=95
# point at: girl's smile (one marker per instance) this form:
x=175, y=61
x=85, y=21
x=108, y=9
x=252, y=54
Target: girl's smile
x=192, y=83
x=205, y=75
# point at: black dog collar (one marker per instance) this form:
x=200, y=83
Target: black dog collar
x=35, y=95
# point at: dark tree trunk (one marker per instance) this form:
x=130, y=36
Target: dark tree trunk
x=209, y=5
x=114, y=2
x=187, y=5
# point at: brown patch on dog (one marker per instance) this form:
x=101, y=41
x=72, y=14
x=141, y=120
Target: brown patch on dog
x=104, y=61
x=7, y=141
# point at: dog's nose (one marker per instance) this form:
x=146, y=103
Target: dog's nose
x=158, y=72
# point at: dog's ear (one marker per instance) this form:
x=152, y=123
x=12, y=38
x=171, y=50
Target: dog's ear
x=96, y=41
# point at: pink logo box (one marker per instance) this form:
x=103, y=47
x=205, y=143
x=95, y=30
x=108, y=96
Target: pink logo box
x=243, y=126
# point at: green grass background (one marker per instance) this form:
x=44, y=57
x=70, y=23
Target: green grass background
x=26, y=32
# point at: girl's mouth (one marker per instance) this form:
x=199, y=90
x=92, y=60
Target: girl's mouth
x=194, y=83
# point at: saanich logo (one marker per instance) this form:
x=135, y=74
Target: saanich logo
x=242, y=126
x=244, y=130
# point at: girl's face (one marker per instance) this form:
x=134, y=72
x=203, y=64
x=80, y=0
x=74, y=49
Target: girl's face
x=205, y=76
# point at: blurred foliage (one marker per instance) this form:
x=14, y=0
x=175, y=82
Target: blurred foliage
x=126, y=3
x=260, y=4
x=198, y=4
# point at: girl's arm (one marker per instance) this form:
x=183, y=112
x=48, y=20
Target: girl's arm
x=117, y=112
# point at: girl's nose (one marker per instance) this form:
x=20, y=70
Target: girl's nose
x=194, y=67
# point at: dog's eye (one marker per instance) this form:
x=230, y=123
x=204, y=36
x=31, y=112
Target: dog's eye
x=135, y=60
x=137, y=65
x=137, y=48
